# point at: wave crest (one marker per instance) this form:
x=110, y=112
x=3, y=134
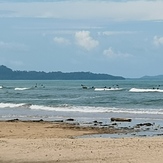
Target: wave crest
x=21, y=89
x=145, y=90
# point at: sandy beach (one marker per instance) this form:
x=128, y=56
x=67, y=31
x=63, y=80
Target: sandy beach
x=30, y=142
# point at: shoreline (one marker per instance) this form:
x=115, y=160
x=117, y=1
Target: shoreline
x=117, y=128
x=42, y=141
x=16, y=128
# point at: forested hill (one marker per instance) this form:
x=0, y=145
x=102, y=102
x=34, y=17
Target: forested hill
x=8, y=74
x=158, y=77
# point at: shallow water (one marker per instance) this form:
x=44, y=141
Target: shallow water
x=51, y=100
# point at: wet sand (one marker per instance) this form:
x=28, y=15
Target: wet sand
x=40, y=142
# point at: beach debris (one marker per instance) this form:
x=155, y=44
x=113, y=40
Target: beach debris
x=121, y=119
x=40, y=120
x=144, y=124
x=13, y=120
x=114, y=124
x=97, y=123
x=70, y=119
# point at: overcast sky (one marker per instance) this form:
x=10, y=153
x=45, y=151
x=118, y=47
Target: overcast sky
x=117, y=37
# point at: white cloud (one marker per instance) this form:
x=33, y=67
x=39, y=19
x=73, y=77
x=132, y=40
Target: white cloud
x=13, y=46
x=110, y=53
x=61, y=40
x=113, y=10
x=109, y=33
x=84, y=40
x=158, y=41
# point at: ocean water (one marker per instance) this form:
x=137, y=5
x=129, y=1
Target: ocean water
x=59, y=100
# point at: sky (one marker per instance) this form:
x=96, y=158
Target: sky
x=116, y=37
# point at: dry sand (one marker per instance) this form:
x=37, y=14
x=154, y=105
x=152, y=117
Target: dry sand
x=45, y=142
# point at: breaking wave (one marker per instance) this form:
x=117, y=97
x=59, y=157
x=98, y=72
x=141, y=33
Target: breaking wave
x=108, y=89
x=11, y=105
x=21, y=89
x=84, y=109
x=145, y=90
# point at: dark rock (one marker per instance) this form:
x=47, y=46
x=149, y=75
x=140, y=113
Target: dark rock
x=144, y=124
x=96, y=122
x=106, y=125
x=114, y=124
x=121, y=119
x=40, y=120
x=159, y=134
x=13, y=120
x=70, y=119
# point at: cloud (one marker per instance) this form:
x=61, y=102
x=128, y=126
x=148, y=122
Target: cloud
x=109, y=33
x=5, y=45
x=6, y=13
x=84, y=40
x=158, y=41
x=13, y=46
x=61, y=40
x=110, y=53
x=86, y=9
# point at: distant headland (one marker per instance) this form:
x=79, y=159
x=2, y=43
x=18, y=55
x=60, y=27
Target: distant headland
x=8, y=74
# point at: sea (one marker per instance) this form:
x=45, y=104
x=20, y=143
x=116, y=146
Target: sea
x=83, y=100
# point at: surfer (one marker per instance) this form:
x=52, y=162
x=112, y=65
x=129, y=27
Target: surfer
x=158, y=87
x=84, y=87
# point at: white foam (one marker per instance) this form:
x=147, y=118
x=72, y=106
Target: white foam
x=11, y=105
x=41, y=107
x=87, y=109
x=144, y=90
x=67, y=108
x=108, y=89
x=137, y=111
x=84, y=109
x=1, y=87
x=21, y=89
